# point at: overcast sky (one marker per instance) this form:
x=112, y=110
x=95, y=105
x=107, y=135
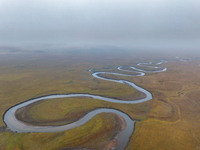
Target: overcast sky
x=140, y=23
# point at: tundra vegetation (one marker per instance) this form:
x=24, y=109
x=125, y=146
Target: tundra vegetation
x=169, y=121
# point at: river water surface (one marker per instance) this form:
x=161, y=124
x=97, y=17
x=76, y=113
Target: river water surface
x=122, y=137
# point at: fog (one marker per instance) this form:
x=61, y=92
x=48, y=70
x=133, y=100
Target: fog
x=148, y=24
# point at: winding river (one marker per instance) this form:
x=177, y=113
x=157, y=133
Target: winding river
x=122, y=137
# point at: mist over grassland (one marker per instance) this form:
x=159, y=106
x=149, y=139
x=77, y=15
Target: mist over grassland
x=146, y=25
x=111, y=51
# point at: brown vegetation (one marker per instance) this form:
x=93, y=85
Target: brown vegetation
x=173, y=121
x=169, y=121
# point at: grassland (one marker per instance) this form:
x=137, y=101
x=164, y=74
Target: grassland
x=34, y=76
x=67, y=110
x=169, y=121
x=173, y=121
x=78, y=137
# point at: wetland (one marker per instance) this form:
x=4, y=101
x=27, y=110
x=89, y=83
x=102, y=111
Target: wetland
x=77, y=100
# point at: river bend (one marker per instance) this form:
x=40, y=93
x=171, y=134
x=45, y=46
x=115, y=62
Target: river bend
x=122, y=137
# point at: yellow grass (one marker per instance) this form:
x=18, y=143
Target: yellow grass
x=77, y=137
x=170, y=121
x=173, y=121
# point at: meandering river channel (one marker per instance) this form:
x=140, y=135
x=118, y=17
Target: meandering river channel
x=122, y=137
